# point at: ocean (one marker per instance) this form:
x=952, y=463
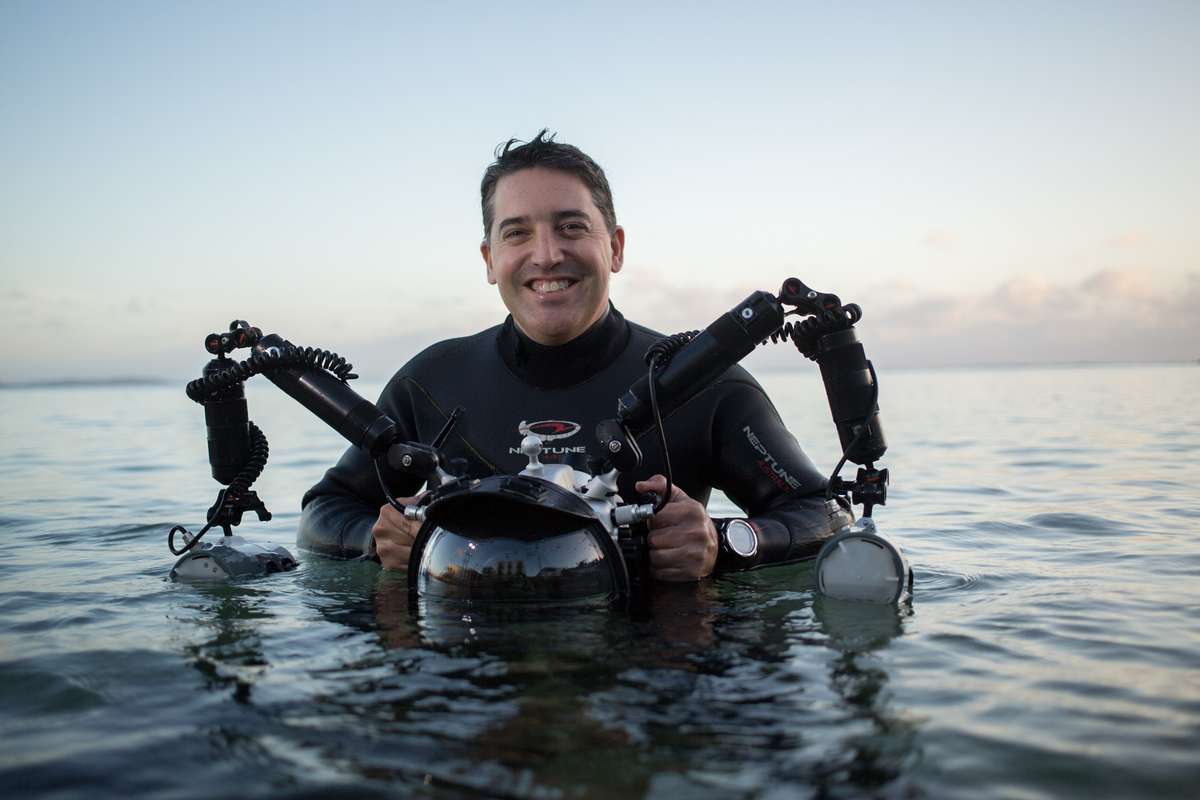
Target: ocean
x=1051, y=649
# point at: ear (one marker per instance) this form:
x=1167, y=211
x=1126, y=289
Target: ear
x=486, y=251
x=617, y=242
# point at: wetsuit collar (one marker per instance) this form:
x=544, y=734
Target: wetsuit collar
x=564, y=365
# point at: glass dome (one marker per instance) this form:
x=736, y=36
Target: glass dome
x=512, y=540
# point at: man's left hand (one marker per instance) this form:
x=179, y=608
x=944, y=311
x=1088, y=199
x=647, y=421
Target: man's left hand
x=683, y=540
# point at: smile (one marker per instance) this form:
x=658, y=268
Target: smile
x=543, y=286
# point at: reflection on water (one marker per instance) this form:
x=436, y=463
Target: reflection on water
x=1050, y=650
x=232, y=656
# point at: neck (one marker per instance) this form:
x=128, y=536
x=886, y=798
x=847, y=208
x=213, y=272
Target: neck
x=560, y=366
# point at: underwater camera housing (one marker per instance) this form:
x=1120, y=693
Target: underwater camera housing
x=550, y=532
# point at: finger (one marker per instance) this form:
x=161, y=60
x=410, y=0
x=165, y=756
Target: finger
x=690, y=557
x=679, y=561
x=404, y=531
x=393, y=556
x=669, y=558
x=684, y=512
x=397, y=529
x=394, y=549
x=658, y=485
x=668, y=538
x=396, y=515
x=403, y=501
x=688, y=515
x=655, y=483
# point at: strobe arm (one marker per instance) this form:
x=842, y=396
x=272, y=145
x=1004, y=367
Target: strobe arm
x=725, y=342
x=316, y=379
x=825, y=335
x=331, y=399
x=700, y=361
x=357, y=419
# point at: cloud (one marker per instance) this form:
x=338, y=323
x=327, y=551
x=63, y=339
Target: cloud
x=1126, y=314
x=644, y=296
x=1110, y=315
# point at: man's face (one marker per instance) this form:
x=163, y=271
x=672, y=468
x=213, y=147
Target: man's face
x=550, y=254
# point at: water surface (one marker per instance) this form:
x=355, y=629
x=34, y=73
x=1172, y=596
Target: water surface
x=1052, y=648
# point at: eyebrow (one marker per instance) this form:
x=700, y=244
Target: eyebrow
x=566, y=213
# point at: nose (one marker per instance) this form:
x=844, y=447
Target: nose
x=546, y=250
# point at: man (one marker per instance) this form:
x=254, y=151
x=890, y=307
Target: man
x=556, y=366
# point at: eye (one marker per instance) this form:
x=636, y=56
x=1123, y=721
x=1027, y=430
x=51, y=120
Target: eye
x=574, y=227
x=510, y=234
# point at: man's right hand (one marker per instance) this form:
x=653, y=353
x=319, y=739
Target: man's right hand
x=394, y=535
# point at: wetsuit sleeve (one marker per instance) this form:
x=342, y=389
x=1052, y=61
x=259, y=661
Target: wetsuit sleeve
x=762, y=468
x=339, y=511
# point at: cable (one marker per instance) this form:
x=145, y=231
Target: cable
x=664, y=348
x=272, y=358
x=201, y=389
x=805, y=333
x=657, y=357
x=260, y=451
x=383, y=485
x=662, y=440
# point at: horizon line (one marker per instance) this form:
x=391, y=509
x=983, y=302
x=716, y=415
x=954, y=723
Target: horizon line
x=159, y=380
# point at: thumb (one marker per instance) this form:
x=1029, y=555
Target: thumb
x=416, y=498
x=655, y=483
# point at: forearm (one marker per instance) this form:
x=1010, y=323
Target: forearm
x=793, y=529
x=336, y=526
x=767, y=474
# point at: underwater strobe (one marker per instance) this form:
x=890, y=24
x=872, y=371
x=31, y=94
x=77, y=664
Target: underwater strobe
x=858, y=563
x=237, y=452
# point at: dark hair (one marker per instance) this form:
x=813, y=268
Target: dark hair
x=543, y=151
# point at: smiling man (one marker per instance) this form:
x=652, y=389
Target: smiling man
x=551, y=254
x=555, y=367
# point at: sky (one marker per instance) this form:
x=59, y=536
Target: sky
x=992, y=182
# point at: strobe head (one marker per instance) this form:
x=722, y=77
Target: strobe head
x=231, y=558
x=864, y=565
x=228, y=424
x=514, y=539
x=853, y=395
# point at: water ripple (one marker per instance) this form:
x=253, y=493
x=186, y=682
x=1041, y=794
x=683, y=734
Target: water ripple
x=1050, y=649
x=931, y=579
x=1081, y=523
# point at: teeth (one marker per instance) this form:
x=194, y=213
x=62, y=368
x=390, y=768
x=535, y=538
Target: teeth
x=546, y=287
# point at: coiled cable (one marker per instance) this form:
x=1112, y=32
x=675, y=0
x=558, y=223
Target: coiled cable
x=202, y=389
x=228, y=497
x=269, y=359
x=666, y=347
x=805, y=333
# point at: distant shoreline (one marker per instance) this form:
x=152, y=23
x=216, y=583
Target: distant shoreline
x=1010, y=365
x=83, y=383
x=134, y=381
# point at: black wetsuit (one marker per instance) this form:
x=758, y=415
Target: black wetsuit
x=729, y=436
